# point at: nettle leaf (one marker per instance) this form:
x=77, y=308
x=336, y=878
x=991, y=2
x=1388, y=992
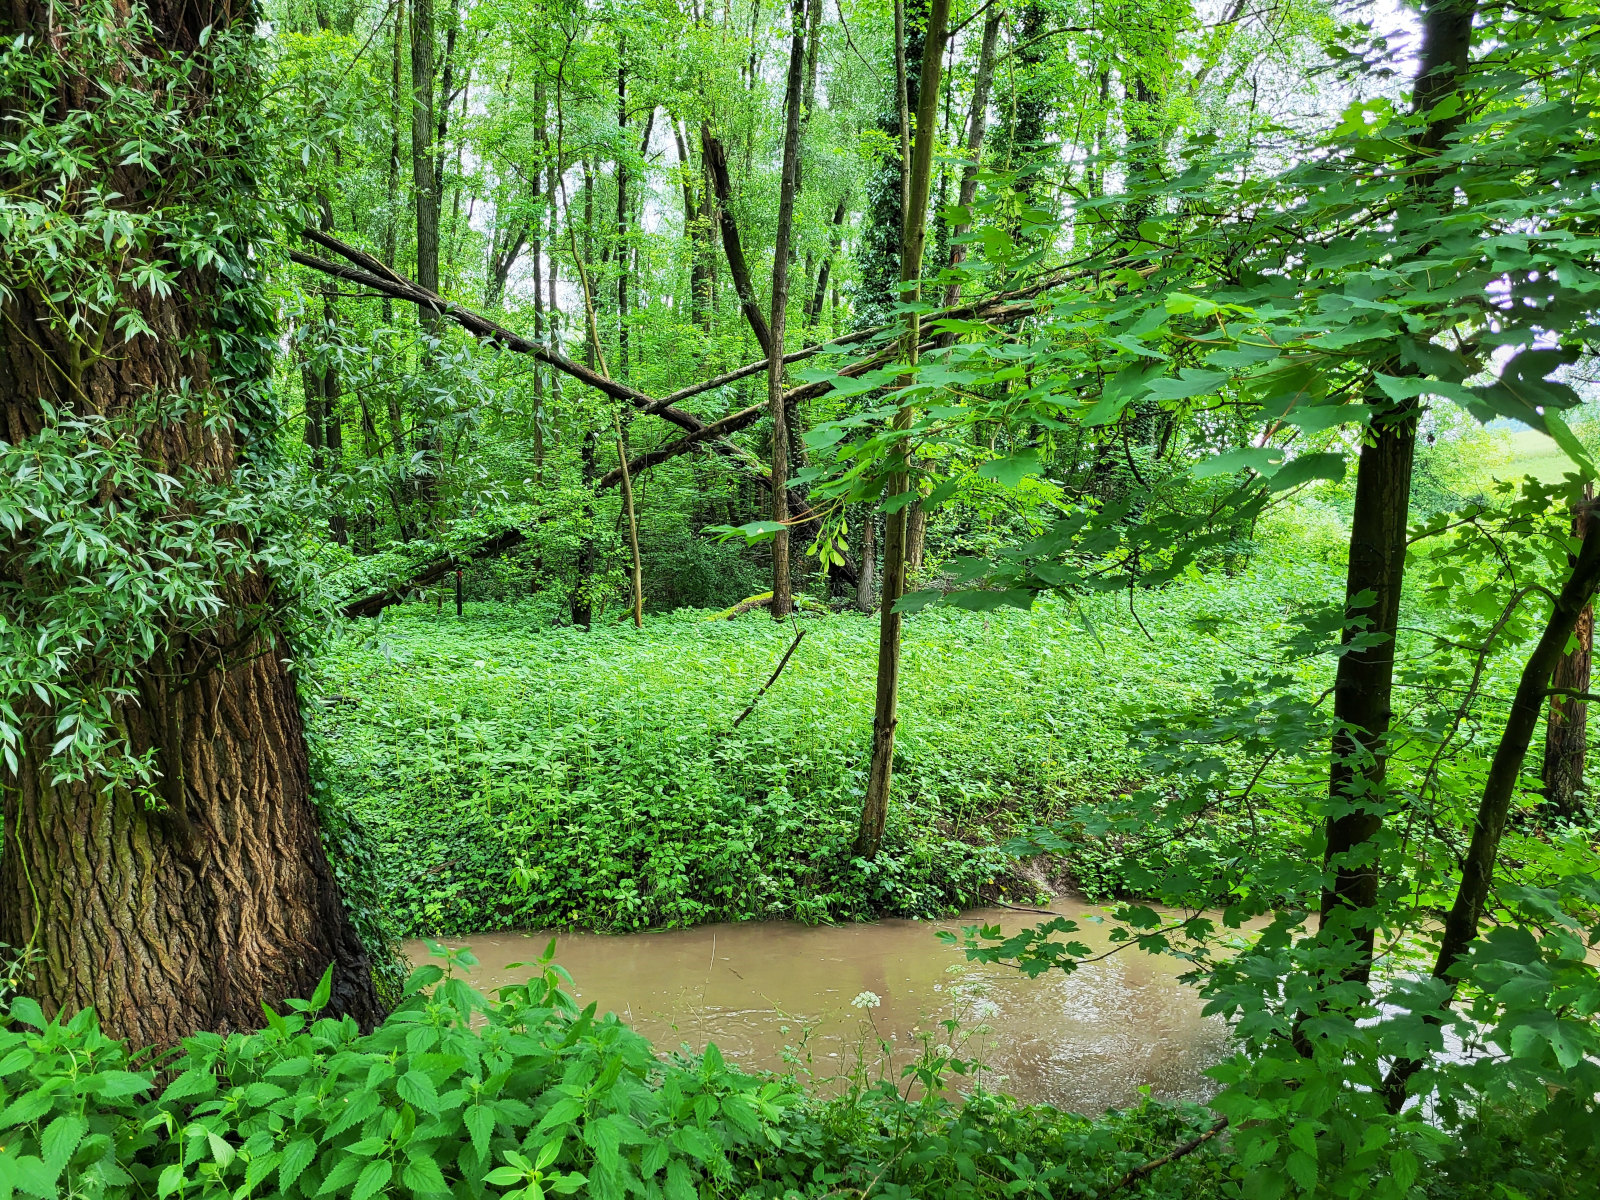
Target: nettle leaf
x=417, y=1088
x=61, y=1138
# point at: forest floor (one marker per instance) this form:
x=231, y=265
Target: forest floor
x=512, y=775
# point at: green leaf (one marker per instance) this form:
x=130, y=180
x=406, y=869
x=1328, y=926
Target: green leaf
x=1568, y=441
x=1302, y=1168
x=422, y=1175
x=343, y=1174
x=374, y=1178
x=297, y=1157
x=1306, y=467
x=114, y=1084
x=319, y=998
x=417, y=1088
x=480, y=1121
x=61, y=1138
x=1013, y=470
x=27, y=1107
x=1264, y=460
x=194, y=1082
x=221, y=1149
x=563, y=1111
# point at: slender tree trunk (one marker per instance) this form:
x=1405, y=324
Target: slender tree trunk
x=814, y=302
x=782, y=601
x=582, y=602
x=875, y=807
x=1363, y=682
x=977, y=124
x=391, y=229
x=637, y=576
x=692, y=233
x=869, y=555
x=1566, y=725
x=622, y=212
x=424, y=187
x=716, y=160
x=188, y=909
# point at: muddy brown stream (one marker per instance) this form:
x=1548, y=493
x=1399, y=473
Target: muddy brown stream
x=1085, y=1041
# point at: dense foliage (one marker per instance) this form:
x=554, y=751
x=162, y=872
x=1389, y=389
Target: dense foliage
x=600, y=771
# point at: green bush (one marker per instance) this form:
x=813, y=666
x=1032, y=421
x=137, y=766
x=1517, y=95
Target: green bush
x=514, y=1098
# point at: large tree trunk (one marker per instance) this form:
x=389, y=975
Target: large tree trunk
x=185, y=906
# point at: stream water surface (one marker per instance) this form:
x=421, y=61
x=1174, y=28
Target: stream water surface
x=779, y=996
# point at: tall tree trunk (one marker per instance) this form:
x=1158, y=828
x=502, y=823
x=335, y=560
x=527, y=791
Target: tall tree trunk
x=716, y=160
x=693, y=232
x=875, y=807
x=977, y=124
x=1566, y=730
x=391, y=228
x=424, y=186
x=782, y=601
x=622, y=211
x=835, y=235
x=187, y=909
x=1363, y=682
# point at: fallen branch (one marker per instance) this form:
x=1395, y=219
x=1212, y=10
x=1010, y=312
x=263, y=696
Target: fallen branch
x=427, y=573
x=1182, y=1151
x=771, y=679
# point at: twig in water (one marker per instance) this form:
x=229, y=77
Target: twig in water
x=772, y=679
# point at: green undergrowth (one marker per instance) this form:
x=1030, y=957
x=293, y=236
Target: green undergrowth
x=507, y=774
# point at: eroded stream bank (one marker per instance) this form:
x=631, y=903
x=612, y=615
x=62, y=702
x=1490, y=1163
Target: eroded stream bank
x=1085, y=1041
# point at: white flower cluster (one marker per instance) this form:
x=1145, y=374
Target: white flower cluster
x=866, y=1000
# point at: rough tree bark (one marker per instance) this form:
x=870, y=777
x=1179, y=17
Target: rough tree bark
x=189, y=913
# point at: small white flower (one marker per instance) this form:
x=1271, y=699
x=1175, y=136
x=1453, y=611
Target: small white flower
x=263, y=29
x=866, y=1000
x=984, y=1009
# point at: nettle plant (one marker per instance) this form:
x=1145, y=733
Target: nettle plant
x=518, y=1097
